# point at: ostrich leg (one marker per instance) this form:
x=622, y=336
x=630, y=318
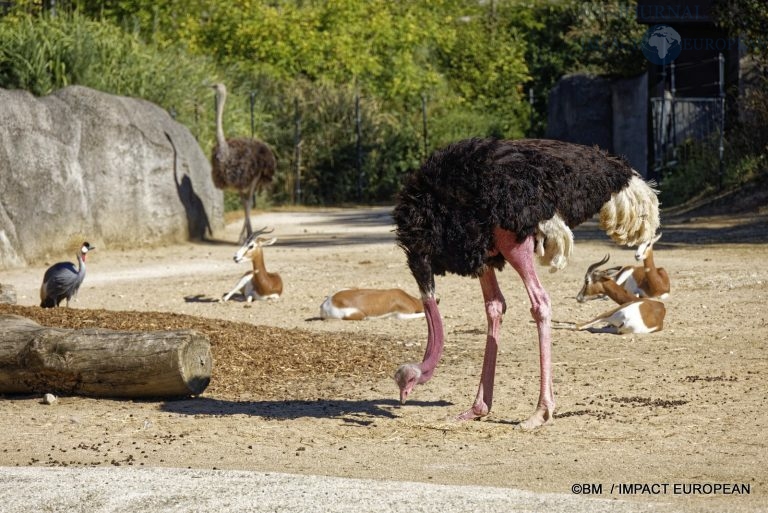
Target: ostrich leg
x=520, y=255
x=495, y=307
x=247, y=201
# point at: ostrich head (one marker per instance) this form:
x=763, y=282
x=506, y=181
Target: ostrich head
x=407, y=376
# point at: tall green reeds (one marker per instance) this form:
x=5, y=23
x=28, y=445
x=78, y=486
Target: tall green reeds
x=42, y=54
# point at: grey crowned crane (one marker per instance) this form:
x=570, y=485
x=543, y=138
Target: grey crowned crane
x=477, y=204
x=62, y=280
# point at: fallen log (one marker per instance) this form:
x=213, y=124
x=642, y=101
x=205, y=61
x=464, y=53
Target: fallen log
x=100, y=362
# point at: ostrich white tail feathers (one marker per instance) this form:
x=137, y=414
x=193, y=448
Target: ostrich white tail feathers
x=554, y=243
x=631, y=216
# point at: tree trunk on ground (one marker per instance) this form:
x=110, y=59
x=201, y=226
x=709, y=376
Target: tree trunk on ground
x=101, y=363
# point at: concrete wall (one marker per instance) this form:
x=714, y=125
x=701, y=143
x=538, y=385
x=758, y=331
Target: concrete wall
x=598, y=111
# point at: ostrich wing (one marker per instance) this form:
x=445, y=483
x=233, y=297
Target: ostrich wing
x=448, y=209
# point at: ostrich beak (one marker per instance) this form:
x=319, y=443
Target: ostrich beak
x=405, y=391
x=407, y=377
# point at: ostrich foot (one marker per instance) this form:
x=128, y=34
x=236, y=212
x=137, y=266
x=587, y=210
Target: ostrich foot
x=541, y=417
x=477, y=411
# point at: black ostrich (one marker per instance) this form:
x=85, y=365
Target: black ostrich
x=242, y=164
x=479, y=203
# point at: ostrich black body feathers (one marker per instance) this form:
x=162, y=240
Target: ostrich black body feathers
x=448, y=209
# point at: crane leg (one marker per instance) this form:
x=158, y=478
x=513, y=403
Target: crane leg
x=521, y=256
x=495, y=306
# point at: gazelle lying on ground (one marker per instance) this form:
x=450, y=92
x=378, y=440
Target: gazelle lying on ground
x=359, y=304
x=644, y=315
x=258, y=283
x=643, y=280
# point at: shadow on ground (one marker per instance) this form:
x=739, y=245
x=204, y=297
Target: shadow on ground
x=692, y=230
x=286, y=410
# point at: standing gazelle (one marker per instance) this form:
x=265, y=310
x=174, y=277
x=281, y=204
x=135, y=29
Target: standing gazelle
x=258, y=283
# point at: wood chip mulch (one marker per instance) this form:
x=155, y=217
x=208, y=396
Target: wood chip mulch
x=253, y=361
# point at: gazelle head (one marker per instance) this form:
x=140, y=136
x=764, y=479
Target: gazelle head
x=591, y=288
x=252, y=246
x=643, y=249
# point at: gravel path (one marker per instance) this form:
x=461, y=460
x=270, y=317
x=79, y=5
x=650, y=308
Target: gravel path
x=124, y=490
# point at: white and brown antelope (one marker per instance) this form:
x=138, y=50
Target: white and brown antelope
x=641, y=281
x=644, y=315
x=633, y=315
x=359, y=304
x=258, y=283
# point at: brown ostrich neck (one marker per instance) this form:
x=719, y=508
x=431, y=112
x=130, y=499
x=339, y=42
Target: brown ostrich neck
x=221, y=98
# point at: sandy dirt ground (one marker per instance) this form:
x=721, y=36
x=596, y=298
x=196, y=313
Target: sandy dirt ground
x=684, y=407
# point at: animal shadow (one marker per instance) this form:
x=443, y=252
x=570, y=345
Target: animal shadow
x=200, y=298
x=292, y=409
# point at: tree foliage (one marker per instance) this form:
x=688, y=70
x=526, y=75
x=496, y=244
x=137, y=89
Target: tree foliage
x=470, y=62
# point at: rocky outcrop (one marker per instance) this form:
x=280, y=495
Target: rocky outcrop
x=84, y=165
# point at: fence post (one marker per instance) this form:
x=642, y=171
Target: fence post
x=359, y=149
x=663, y=138
x=721, y=149
x=424, y=123
x=253, y=122
x=673, y=122
x=297, y=148
x=530, y=102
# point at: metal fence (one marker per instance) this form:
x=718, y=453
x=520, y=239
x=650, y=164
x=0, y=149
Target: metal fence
x=682, y=126
x=688, y=127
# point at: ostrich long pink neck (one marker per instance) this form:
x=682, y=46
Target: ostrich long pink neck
x=435, y=339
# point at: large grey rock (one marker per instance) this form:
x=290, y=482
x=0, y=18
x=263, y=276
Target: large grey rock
x=84, y=165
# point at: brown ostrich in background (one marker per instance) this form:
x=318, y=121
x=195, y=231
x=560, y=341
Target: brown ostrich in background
x=241, y=164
